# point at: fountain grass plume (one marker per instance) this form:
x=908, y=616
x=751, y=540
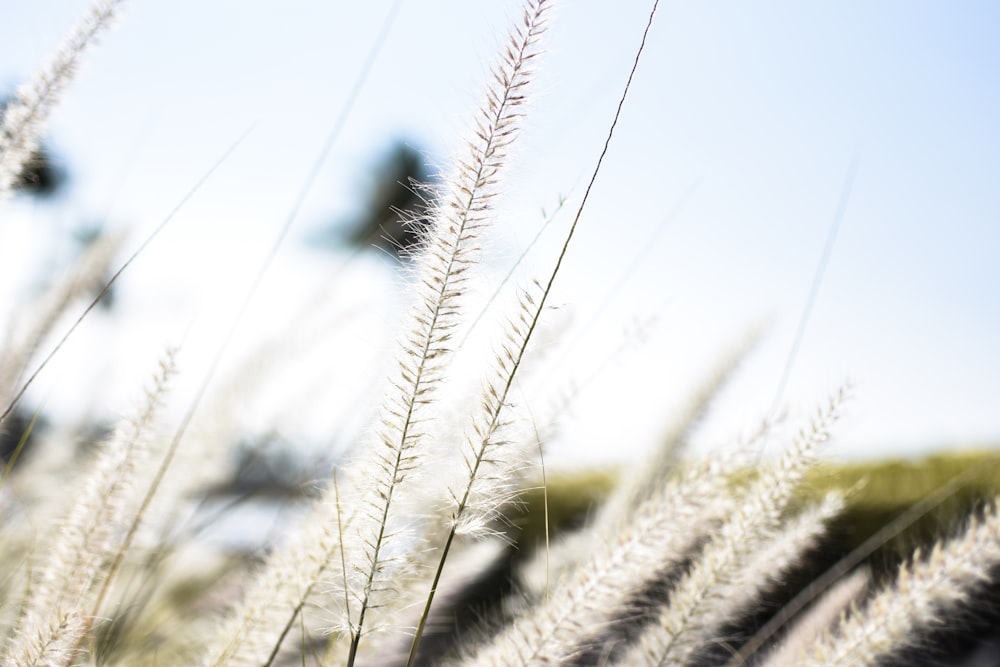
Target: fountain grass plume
x=24, y=118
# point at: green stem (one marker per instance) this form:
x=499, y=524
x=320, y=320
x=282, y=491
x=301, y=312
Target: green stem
x=430, y=598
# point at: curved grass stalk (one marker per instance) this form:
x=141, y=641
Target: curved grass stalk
x=88, y=272
x=114, y=278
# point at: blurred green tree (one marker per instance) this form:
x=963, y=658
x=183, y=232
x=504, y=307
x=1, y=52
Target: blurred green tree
x=389, y=218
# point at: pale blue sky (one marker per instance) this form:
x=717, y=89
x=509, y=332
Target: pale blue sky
x=759, y=107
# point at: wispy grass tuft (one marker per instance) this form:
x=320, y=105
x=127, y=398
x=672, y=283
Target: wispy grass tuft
x=925, y=593
x=68, y=587
x=24, y=119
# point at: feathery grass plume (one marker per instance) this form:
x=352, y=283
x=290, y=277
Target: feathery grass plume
x=24, y=118
x=757, y=572
x=490, y=476
x=924, y=591
x=594, y=595
x=777, y=557
x=818, y=619
x=643, y=480
x=26, y=502
x=636, y=486
x=74, y=561
x=674, y=635
x=573, y=549
x=544, y=292
x=491, y=455
x=447, y=251
x=638, y=483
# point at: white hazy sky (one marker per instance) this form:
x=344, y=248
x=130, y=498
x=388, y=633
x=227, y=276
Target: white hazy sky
x=747, y=114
